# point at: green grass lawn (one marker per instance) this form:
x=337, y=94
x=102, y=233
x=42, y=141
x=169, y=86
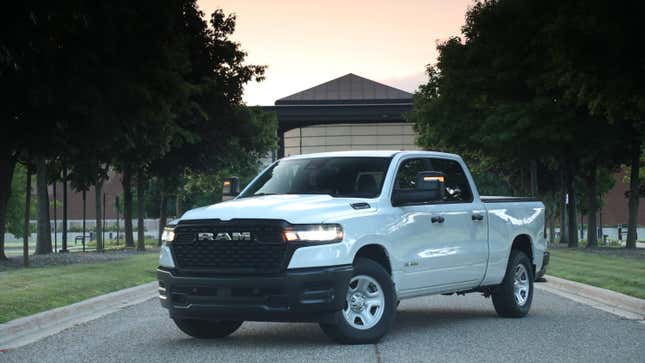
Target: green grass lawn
x=29, y=291
x=622, y=274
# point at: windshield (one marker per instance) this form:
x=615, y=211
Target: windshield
x=358, y=177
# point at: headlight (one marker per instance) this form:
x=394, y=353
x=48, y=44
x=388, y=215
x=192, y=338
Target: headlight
x=316, y=233
x=168, y=235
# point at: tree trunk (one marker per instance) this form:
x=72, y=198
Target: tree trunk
x=592, y=194
x=564, y=228
x=44, y=236
x=64, y=237
x=163, y=218
x=141, y=243
x=98, y=189
x=7, y=167
x=127, y=206
x=27, y=230
x=533, y=174
x=55, y=217
x=178, y=205
x=601, y=233
x=552, y=217
x=571, y=207
x=634, y=186
x=84, y=194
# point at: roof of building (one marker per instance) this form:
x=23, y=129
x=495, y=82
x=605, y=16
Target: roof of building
x=348, y=89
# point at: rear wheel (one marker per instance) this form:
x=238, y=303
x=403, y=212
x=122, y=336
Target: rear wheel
x=514, y=295
x=370, y=306
x=205, y=329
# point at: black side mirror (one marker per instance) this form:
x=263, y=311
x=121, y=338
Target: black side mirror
x=231, y=187
x=429, y=187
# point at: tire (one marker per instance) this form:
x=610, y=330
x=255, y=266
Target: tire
x=205, y=329
x=513, y=300
x=370, y=306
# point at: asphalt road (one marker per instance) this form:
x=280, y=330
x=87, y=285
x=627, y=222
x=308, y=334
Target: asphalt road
x=438, y=328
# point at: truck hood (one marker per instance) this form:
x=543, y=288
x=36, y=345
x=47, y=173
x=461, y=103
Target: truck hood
x=292, y=208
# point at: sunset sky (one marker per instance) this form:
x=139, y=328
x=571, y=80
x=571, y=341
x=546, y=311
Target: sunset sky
x=305, y=43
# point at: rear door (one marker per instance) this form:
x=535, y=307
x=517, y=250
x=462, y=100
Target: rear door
x=463, y=230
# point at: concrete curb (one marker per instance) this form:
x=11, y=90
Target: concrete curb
x=22, y=331
x=628, y=307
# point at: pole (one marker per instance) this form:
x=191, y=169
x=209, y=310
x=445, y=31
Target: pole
x=84, y=206
x=55, y=219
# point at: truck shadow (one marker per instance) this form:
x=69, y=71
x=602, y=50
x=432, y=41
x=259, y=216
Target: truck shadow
x=291, y=335
x=412, y=319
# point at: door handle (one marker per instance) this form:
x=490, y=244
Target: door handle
x=477, y=217
x=437, y=219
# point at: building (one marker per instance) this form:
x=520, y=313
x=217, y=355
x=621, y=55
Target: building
x=346, y=113
x=614, y=208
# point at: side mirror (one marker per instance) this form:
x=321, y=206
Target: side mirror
x=231, y=188
x=429, y=187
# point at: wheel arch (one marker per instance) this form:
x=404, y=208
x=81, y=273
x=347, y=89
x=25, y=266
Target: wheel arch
x=524, y=243
x=377, y=253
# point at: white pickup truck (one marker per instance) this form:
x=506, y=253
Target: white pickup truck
x=340, y=238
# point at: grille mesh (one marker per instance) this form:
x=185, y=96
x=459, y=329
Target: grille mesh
x=265, y=252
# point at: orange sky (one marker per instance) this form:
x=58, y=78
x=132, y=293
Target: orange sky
x=305, y=43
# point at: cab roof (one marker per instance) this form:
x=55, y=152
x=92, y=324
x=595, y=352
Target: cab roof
x=370, y=153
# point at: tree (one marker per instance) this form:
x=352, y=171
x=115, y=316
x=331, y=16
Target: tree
x=27, y=229
x=483, y=99
x=495, y=94
x=216, y=132
x=122, y=84
x=600, y=68
x=126, y=182
x=43, y=241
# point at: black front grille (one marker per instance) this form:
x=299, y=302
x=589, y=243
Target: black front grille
x=265, y=252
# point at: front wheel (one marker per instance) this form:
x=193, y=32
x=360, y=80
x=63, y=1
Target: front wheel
x=205, y=329
x=370, y=306
x=514, y=295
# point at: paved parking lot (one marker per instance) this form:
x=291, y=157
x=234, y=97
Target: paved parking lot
x=438, y=328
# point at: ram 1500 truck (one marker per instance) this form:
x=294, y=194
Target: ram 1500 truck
x=340, y=238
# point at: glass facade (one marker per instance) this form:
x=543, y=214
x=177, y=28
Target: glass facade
x=343, y=137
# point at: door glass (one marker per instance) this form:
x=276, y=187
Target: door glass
x=406, y=176
x=457, y=186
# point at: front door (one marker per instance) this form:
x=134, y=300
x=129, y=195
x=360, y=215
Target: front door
x=443, y=244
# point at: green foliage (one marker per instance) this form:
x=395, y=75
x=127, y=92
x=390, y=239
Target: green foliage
x=16, y=207
x=146, y=86
x=641, y=174
x=494, y=97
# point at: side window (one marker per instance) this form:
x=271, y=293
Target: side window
x=406, y=176
x=457, y=186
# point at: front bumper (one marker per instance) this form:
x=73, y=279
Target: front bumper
x=308, y=294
